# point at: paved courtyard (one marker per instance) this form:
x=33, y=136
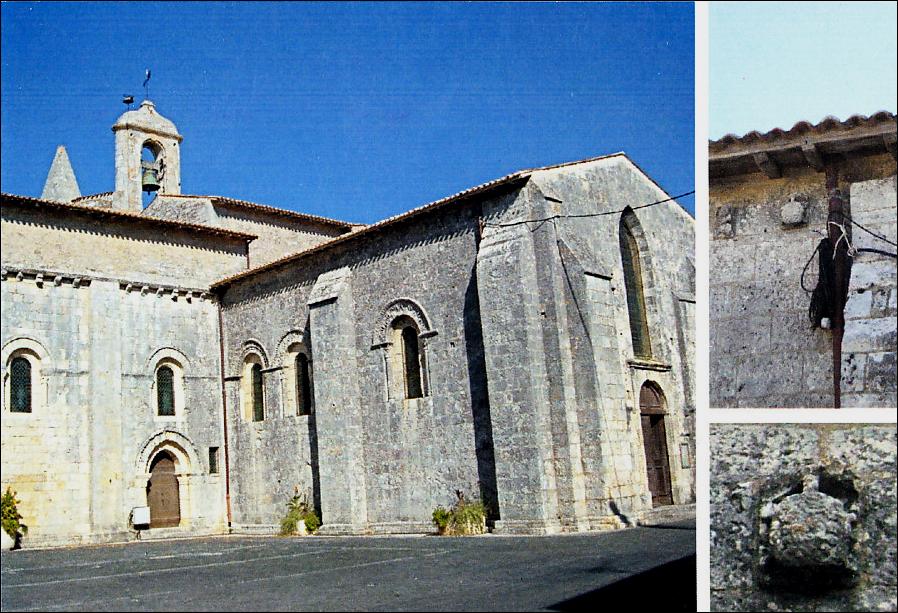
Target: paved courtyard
x=636, y=567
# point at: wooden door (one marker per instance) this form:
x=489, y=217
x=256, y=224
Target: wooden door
x=655, y=440
x=162, y=493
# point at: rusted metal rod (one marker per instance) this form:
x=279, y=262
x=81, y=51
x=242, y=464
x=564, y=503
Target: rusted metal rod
x=841, y=274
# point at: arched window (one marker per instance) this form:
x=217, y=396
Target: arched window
x=165, y=391
x=303, y=385
x=411, y=362
x=408, y=360
x=258, y=393
x=20, y=385
x=639, y=328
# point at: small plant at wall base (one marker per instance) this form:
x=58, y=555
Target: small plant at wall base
x=464, y=517
x=11, y=518
x=299, y=510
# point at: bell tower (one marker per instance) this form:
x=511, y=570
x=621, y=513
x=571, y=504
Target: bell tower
x=147, y=157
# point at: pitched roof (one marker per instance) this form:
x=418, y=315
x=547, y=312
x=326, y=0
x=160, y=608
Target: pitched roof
x=107, y=213
x=367, y=231
x=264, y=208
x=803, y=143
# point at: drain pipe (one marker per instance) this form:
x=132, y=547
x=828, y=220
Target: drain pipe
x=224, y=413
x=841, y=274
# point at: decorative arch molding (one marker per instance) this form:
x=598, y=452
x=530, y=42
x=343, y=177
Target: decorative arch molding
x=24, y=344
x=253, y=347
x=286, y=346
x=187, y=460
x=166, y=354
x=37, y=356
x=402, y=307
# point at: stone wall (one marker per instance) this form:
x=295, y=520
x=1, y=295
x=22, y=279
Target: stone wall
x=98, y=303
x=803, y=517
x=533, y=392
x=80, y=460
x=278, y=235
x=870, y=342
x=763, y=351
x=383, y=461
x=120, y=248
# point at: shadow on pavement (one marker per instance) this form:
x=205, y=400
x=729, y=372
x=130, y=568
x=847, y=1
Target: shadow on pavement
x=670, y=587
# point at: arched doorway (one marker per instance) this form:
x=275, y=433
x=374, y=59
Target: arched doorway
x=654, y=436
x=162, y=492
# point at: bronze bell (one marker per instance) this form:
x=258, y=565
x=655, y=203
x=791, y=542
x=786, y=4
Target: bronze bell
x=150, y=180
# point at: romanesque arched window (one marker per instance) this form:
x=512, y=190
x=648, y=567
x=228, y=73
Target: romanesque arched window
x=20, y=385
x=258, y=393
x=408, y=357
x=630, y=258
x=303, y=385
x=253, y=383
x=165, y=391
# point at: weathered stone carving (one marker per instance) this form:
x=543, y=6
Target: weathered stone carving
x=807, y=535
x=792, y=213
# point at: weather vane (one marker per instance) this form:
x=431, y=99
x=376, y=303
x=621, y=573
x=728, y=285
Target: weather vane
x=146, y=87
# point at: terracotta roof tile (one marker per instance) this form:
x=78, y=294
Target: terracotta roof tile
x=801, y=128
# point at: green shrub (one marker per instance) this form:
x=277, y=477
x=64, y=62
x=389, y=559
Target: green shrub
x=299, y=509
x=11, y=518
x=441, y=518
x=463, y=517
x=313, y=522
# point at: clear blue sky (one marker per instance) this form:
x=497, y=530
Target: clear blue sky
x=352, y=111
x=774, y=64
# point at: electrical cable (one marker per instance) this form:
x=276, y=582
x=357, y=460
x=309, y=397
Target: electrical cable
x=577, y=216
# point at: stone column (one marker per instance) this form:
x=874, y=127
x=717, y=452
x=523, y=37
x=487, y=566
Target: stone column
x=337, y=407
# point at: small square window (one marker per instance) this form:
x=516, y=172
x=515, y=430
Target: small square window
x=213, y=460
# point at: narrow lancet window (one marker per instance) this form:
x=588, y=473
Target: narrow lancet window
x=303, y=386
x=639, y=329
x=258, y=393
x=412, y=362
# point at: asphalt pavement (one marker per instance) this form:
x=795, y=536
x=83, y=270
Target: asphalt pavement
x=637, y=567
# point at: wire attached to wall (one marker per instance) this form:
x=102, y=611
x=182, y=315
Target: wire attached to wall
x=582, y=215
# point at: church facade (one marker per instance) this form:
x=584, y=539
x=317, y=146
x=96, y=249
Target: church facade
x=528, y=341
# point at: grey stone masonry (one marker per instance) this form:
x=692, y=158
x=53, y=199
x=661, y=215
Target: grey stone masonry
x=61, y=184
x=803, y=517
x=530, y=389
x=870, y=343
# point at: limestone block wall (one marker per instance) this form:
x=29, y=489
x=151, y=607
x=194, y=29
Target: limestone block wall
x=278, y=236
x=384, y=463
x=869, y=344
x=80, y=460
x=555, y=289
x=803, y=517
x=87, y=244
x=763, y=231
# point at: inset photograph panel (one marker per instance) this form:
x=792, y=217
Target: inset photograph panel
x=802, y=191
x=803, y=517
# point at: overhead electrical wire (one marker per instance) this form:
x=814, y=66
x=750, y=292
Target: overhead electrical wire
x=582, y=215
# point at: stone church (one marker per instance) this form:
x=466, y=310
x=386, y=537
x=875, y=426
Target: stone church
x=528, y=341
